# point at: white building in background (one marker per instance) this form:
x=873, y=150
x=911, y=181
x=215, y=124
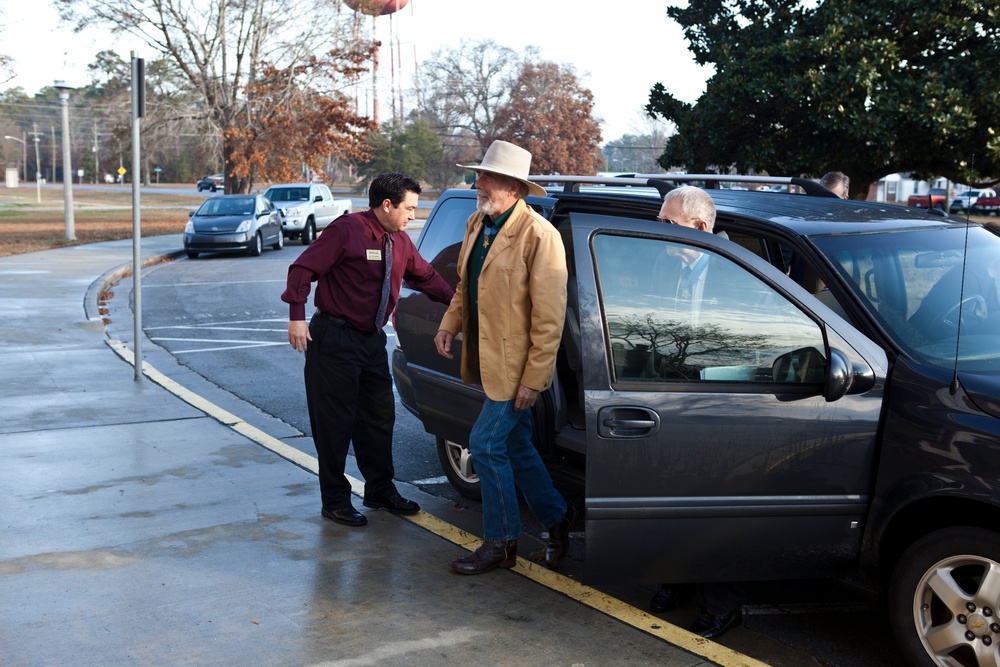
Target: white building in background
x=897, y=188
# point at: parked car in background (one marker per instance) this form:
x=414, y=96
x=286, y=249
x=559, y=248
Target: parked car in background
x=233, y=223
x=936, y=198
x=828, y=404
x=964, y=201
x=213, y=182
x=307, y=208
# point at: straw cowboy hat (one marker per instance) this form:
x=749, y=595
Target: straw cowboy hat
x=506, y=159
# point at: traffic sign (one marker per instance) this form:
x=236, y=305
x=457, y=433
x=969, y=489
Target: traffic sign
x=121, y=171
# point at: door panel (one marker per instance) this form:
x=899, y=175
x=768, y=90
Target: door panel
x=712, y=454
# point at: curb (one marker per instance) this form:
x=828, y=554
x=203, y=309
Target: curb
x=91, y=305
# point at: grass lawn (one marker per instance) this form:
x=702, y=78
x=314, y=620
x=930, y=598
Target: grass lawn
x=27, y=226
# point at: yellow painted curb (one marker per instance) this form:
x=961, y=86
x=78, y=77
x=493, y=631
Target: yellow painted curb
x=591, y=597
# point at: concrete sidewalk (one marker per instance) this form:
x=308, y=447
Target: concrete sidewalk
x=138, y=530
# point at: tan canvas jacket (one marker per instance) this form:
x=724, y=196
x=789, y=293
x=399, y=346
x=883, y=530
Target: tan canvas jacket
x=522, y=305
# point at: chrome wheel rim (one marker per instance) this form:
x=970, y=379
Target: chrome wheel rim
x=955, y=611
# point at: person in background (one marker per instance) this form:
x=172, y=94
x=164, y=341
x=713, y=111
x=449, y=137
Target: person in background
x=509, y=306
x=357, y=264
x=836, y=182
x=721, y=608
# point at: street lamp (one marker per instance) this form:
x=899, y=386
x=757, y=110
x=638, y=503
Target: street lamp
x=64, y=89
x=24, y=162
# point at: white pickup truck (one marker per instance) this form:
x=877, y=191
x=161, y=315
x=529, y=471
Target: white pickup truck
x=306, y=208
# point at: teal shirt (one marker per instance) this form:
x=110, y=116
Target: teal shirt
x=476, y=260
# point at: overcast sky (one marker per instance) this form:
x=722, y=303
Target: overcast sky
x=617, y=54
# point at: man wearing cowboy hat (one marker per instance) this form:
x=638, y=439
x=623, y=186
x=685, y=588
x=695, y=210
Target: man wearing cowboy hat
x=509, y=305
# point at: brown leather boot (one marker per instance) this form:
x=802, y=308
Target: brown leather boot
x=557, y=543
x=488, y=556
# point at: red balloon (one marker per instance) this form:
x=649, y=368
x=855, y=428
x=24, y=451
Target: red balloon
x=376, y=7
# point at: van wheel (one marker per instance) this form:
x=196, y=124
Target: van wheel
x=456, y=461
x=943, y=598
x=309, y=233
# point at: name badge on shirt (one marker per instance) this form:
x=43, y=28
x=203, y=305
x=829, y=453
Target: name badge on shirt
x=374, y=255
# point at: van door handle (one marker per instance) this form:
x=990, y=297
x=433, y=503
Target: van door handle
x=627, y=421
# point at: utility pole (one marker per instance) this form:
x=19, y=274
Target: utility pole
x=38, y=164
x=53, y=128
x=97, y=159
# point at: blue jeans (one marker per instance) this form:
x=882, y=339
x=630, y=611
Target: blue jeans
x=503, y=456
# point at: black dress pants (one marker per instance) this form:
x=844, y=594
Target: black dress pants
x=349, y=394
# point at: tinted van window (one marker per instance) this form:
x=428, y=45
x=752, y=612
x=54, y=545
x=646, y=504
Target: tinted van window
x=442, y=241
x=717, y=322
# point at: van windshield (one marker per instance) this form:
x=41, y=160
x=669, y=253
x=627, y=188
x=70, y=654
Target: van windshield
x=912, y=282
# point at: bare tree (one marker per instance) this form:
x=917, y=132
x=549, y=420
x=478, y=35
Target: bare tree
x=6, y=63
x=465, y=85
x=219, y=46
x=461, y=90
x=171, y=107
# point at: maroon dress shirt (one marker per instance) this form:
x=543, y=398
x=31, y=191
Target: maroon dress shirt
x=347, y=265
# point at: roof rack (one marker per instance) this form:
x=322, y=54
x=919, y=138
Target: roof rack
x=668, y=181
x=572, y=183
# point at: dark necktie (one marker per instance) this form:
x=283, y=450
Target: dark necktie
x=386, y=282
x=684, y=284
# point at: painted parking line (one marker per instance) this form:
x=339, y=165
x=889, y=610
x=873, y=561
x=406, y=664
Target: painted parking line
x=591, y=597
x=230, y=344
x=220, y=344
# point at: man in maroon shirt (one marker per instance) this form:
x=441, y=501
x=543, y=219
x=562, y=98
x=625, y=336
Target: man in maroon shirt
x=357, y=263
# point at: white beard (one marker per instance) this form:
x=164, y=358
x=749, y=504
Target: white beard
x=490, y=207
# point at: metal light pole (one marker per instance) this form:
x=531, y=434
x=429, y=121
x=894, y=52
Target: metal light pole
x=138, y=111
x=64, y=89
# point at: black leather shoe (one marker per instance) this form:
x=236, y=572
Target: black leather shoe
x=488, y=556
x=347, y=516
x=711, y=627
x=665, y=599
x=557, y=543
x=395, y=503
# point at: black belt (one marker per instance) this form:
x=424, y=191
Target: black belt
x=341, y=322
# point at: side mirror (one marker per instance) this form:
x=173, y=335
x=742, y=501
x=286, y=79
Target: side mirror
x=846, y=377
x=191, y=213
x=804, y=365
x=318, y=198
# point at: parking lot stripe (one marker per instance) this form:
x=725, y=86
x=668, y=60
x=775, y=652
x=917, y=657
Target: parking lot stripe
x=591, y=597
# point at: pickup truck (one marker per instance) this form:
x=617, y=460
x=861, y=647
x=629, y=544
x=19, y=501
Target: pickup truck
x=964, y=201
x=307, y=208
x=987, y=203
x=937, y=198
x=212, y=182
x=822, y=414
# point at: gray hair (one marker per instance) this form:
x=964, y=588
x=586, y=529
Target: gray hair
x=832, y=179
x=695, y=203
